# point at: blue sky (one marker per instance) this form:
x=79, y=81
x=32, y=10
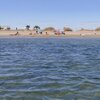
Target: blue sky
x=56, y=13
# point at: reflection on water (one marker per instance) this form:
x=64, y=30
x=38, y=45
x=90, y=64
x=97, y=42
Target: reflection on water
x=49, y=68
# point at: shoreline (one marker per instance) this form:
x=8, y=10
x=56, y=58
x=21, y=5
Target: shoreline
x=31, y=33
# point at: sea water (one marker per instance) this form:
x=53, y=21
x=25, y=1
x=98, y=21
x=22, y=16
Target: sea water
x=49, y=68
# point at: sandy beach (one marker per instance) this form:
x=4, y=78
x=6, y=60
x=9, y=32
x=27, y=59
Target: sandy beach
x=31, y=33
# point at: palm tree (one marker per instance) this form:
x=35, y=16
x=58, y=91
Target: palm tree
x=27, y=27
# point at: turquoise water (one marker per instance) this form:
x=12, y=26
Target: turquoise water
x=49, y=69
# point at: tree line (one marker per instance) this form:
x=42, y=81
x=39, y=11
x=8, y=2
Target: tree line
x=37, y=28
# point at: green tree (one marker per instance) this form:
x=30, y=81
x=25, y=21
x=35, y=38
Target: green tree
x=37, y=28
x=28, y=27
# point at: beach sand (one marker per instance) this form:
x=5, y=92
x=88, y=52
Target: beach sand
x=31, y=33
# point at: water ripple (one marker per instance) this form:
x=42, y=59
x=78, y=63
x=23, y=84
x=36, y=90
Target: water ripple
x=49, y=68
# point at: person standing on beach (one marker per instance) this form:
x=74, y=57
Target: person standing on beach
x=16, y=28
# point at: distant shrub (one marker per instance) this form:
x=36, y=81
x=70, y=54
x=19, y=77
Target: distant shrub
x=49, y=29
x=97, y=29
x=1, y=28
x=67, y=29
x=82, y=29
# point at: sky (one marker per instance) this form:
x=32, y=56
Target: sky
x=56, y=13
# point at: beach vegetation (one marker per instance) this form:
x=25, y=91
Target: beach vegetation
x=83, y=29
x=27, y=27
x=49, y=29
x=97, y=29
x=37, y=27
x=1, y=28
x=67, y=29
